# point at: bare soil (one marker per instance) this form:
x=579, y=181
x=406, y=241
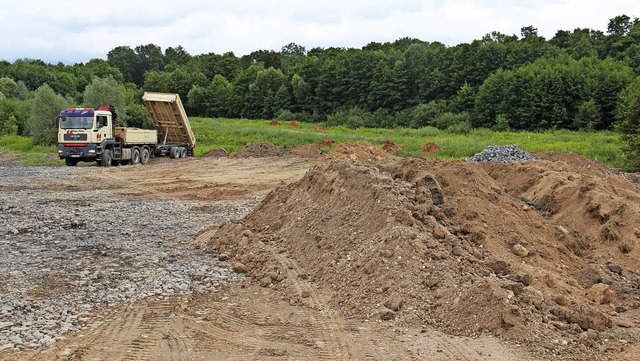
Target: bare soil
x=358, y=254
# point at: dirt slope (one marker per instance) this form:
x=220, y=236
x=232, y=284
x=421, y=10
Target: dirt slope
x=541, y=253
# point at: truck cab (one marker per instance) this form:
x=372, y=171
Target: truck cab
x=81, y=131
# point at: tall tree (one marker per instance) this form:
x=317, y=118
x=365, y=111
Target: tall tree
x=45, y=106
x=128, y=62
x=107, y=92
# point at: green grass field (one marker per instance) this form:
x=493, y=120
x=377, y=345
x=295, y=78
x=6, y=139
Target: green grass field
x=233, y=134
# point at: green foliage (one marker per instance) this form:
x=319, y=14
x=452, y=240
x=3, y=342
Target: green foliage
x=502, y=123
x=46, y=105
x=549, y=93
x=427, y=114
x=286, y=115
x=629, y=125
x=573, y=81
x=8, y=87
x=107, y=92
x=459, y=142
x=13, y=116
x=352, y=118
x=463, y=127
x=448, y=120
x=587, y=116
x=138, y=116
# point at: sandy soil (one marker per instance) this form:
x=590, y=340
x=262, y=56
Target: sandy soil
x=358, y=255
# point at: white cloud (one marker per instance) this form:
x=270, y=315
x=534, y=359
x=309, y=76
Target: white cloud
x=76, y=30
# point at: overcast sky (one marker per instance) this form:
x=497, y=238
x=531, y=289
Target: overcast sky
x=73, y=31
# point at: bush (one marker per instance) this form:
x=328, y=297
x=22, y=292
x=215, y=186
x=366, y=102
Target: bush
x=448, y=119
x=287, y=116
x=352, y=118
x=44, y=108
x=138, y=116
x=630, y=129
x=502, y=123
x=460, y=128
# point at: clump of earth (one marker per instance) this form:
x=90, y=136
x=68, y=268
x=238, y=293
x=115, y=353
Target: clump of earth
x=258, y=150
x=541, y=253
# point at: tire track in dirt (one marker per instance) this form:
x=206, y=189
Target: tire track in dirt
x=152, y=333
x=335, y=349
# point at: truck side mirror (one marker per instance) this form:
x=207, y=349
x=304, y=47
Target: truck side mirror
x=56, y=121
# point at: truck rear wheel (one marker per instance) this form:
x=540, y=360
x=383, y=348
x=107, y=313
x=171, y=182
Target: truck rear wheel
x=106, y=158
x=145, y=155
x=183, y=152
x=135, y=155
x=174, y=153
x=70, y=162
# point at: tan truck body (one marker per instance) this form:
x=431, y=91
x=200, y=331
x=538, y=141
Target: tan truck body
x=169, y=118
x=137, y=135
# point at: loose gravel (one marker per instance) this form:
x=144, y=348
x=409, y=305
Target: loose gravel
x=501, y=154
x=66, y=251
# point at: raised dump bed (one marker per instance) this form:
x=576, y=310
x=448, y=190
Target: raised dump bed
x=169, y=118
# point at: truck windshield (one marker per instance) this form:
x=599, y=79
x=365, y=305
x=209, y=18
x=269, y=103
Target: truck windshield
x=76, y=122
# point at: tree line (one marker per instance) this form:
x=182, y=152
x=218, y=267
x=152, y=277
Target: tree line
x=579, y=80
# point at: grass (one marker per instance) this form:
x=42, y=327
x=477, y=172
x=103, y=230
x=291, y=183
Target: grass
x=29, y=154
x=233, y=134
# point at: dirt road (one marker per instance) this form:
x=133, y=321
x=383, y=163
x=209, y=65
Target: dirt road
x=245, y=320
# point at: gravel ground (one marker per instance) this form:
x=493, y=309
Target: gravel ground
x=67, y=250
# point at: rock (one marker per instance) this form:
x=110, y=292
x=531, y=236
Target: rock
x=562, y=300
x=499, y=267
x=501, y=154
x=519, y=250
x=239, y=267
x=615, y=268
x=387, y=316
x=7, y=346
x=512, y=316
x=223, y=257
x=265, y=281
x=394, y=303
x=601, y=294
x=4, y=325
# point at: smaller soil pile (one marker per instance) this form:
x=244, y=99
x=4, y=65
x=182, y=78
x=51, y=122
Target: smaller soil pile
x=431, y=147
x=308, y=151
x=258, y=150
x=390, y=146
x=360, y=151
x=216, y=153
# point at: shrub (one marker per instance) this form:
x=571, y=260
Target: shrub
x=286, y=115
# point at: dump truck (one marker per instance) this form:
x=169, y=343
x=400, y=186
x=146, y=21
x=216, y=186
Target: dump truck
x=91, y=135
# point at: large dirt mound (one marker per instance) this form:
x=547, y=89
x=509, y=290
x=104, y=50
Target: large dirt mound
x=539, y=252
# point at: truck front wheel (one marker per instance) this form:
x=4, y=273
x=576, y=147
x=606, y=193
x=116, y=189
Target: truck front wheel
x=135, y=155
x=106, y=158
x=70, y=162
x=144, y=156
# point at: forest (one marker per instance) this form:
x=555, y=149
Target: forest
x=578, y=80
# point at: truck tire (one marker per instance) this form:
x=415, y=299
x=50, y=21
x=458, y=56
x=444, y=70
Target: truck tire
x=135, y=155
x=106, y=158
x=70, y=162
x=183, y=152
x=145, y=155
x=174, y=153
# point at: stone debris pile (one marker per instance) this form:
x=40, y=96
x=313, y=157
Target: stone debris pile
x=64, y=254
x=502, y=154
